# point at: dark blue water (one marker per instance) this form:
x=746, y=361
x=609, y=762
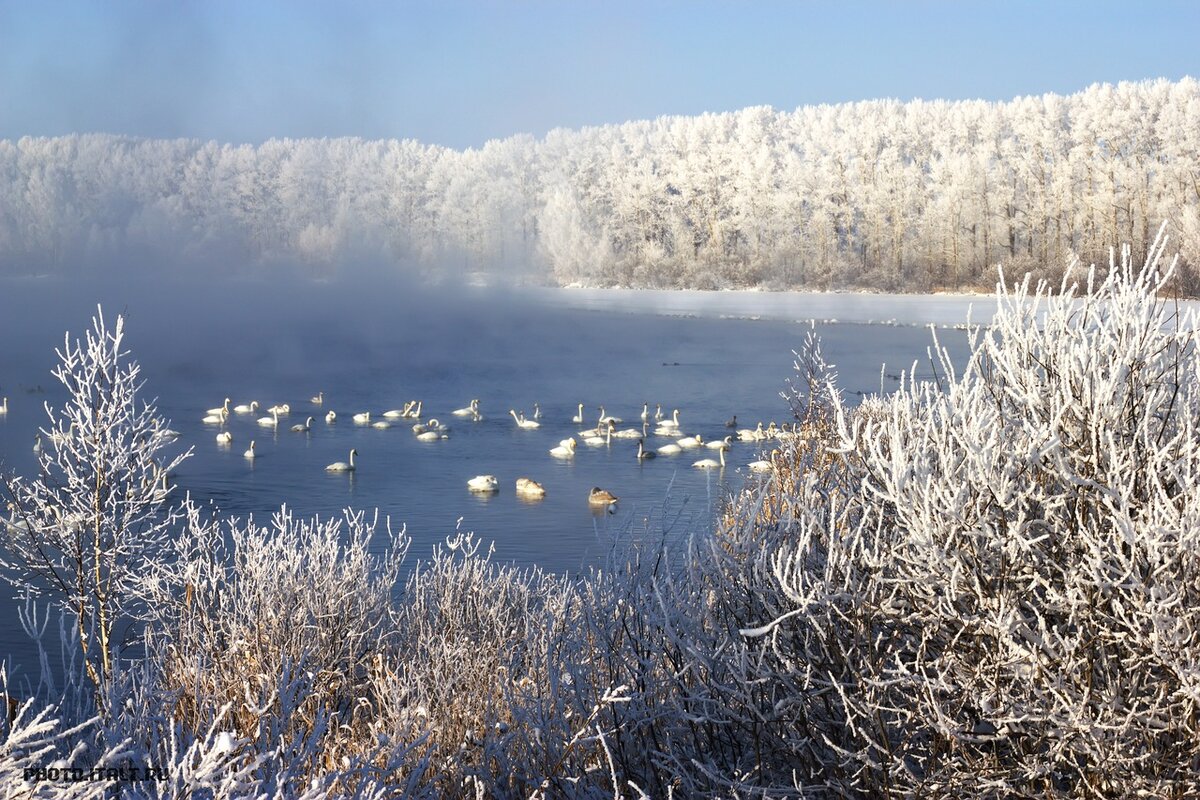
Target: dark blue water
x=375, y=348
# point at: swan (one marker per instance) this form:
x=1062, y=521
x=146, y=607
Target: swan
x=578, y=416
x=760, y=466
x=331, y=417
x=281, y=408
x=4, y=406
x=215, y=419
x=342, y=466
x=250, y=453
x=564, y=450
x=673, y=422
x=318, y=400
x=271, y=421
x=222, y=410
x=224, y=437
x=595, y=440
x=643, y=453
x=530, y=488
x=483, y=483
x=627, y=433
x=601, y=497
x=732, y=423
x=724, y=444
x=381, y=424
x=413, y=409
x=432, y=436
x=363, y=417
x=645, y=412
x=670, y=449
x=305, y=428
x=688, y=442
x=708, y=463
x=37, y=443
x=527, y=424
x=397, y=413
x=658, y=412
x=470, y=410
x=756, y=435
x=246, y=409
x=605, y=418
x=537, y=410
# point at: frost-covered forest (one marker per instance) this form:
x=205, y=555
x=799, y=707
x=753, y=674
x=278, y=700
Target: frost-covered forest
x=986, y=582
x=911, y=196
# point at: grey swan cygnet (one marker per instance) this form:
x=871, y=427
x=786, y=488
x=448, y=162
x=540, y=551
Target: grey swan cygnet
x=305, y=428
x=732, y=423
x=342, y=466
x=530, y=488
x=602, y=498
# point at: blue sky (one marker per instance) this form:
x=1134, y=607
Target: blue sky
x=460, y=73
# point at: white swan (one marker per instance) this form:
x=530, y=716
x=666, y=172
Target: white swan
x=318, y=400
x=215, y=419
x=471, y=410
x=483, y=483
x=627, y=433
x=381, y=424
x=579, y=416
x=708, y=463
x=596, y=440
x=643, y=453
x=689, y=442
x=397, y=413
x=342, y=466
x=250, y=453
x=673, y=422
x=724, y=444
x=281, y=408
x=530, y=488
x=432, y=436
x=537, y=410
x=305, y=428
x=605, y=418
x=37, y=443
x=645, y=412
x=760, y=466
x=4, y=406
x=670, y=449
x=657, y=412
x=413, y=409
x=224, y=437
x=527, y=424
x=222, y=410
x=362, y=417
x=564, y=451
x=271, y=421
x=331, y=417
x=246, y=409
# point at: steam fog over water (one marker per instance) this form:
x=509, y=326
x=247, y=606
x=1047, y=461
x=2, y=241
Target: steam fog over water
x=378, y=344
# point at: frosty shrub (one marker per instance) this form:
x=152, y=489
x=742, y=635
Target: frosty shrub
x=1008, y=600
x=94, y=521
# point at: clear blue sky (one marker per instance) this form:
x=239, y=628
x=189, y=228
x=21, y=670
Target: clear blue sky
x=460, y=73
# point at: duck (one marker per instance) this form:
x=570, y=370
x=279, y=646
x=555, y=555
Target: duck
x=483, y=483
x=224, y=437
x=732, y=423
x=271, y=421
x=724, y=444
x=245, y=408
x=362, y=418
x=318, y=400
x=331, y=417
x=564, y=450
x=708, y=463
x=643, y=453
x=250, y=453
x=305, y=428
x=342, y=466
x=223, y=410
x=527, y=424
x=689, y=442
x=470, y=410
x=530, y=488
x=579, y=415
x=601, y=497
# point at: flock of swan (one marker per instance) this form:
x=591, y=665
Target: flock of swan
x=601, y=434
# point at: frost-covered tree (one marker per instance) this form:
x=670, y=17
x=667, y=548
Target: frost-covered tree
x=92, y=525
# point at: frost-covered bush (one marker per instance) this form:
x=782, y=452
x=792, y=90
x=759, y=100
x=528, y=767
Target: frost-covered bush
x=1008, y=599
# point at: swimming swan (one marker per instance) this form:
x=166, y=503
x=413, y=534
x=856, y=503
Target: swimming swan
x=224, y=437
x=318, y=400
x=527, y=424
x=564, y=450
x=246, y=409
x=381, y=424
x=643, y=453
x=4, y=406
x=363, y=417
x=530, y=488
x=471, y=410
x=670, y=449
x=214, y=419
x=537, y=410
x=605, y=418
x=708, y=463
x=579, y=416
x=483, y=483
x=645, y=412
x=601, y=497
x=271, y=421
x=305, y=428
x=250, y=453
x=724, y=444
x=342, y=466
x=281, y=408
x=331, y=417
x=222, y=410
x=688, y=442
x=596, y=441
x=673, y=422
x=432, y=436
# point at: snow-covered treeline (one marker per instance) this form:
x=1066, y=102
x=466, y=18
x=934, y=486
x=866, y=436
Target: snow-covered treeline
x=917, y=196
